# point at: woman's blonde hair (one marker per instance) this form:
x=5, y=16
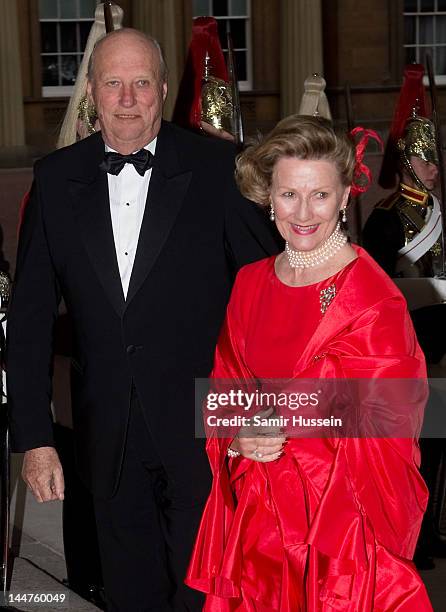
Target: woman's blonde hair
x=295, y=136
x=68, y=131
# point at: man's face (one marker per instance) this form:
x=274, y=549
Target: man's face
x=427, y=172
x=127, y=91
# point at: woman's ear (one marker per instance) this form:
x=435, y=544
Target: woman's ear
x=345, y=196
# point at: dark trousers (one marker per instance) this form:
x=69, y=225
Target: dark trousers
x=79, y=524
x=147, y=530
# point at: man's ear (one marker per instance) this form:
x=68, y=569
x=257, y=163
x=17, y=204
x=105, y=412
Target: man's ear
x=89, y=91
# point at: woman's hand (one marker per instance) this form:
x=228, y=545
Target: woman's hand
x=263, y=444
x=262, y=449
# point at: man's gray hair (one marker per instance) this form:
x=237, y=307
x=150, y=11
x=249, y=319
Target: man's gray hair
x=149, y=39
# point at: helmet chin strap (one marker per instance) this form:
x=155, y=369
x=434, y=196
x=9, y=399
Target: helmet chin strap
x=408, y=166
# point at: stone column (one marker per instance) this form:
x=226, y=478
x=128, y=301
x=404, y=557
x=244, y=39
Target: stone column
x=164, y=19
x=12, y=124
x=301, y=49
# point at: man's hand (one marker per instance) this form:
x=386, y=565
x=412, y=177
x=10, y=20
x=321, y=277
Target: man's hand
x=263, y=443
x=43, y=474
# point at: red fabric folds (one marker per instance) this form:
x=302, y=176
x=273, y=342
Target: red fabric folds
x=331, y=525
x=187, y=111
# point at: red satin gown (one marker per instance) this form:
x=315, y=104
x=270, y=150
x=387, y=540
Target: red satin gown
x=331, y=525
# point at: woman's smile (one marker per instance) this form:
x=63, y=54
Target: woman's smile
x=304, y=230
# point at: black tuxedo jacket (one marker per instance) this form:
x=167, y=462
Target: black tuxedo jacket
x=196, y=232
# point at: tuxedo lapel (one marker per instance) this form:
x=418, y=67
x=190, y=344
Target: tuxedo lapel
x=89, y=193
x=168, y=186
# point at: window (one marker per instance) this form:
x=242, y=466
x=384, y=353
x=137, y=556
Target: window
x=425, y=32
x=235, y=16
x=64, y=29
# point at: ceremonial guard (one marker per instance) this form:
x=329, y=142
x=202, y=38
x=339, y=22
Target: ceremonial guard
x=404, y=233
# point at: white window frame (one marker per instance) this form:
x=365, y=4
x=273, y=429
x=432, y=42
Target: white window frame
x=247, y=84
x=56, y=91
x=440, y=79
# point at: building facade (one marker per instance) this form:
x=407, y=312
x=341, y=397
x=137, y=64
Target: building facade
x=360, y=47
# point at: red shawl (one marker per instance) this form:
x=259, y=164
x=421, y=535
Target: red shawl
x=333, y=522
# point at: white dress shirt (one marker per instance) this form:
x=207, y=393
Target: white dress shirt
x=128, y=193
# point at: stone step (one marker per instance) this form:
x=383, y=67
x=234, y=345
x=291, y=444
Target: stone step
x=28, y=580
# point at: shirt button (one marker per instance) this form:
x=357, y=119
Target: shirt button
x=131, y=349
x=127, y=203
x=126, y=253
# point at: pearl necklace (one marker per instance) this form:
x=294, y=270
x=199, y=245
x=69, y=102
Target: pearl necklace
x=309, y=259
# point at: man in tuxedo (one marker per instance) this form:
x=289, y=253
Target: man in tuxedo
x=143, y=248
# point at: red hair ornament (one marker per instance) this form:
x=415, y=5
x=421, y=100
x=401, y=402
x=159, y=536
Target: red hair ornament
x=362, y=177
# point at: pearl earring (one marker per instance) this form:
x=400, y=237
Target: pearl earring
x=272, y=216
x=344, y=216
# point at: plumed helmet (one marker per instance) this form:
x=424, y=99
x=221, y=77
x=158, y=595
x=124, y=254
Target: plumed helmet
x=412, y=95
x=419, y=139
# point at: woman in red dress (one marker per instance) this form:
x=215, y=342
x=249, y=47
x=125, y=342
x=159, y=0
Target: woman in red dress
x=326, y=523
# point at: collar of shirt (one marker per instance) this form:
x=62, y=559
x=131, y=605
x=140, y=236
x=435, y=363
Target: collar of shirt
x=150, y=147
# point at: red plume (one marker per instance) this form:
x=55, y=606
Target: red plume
x=412, y=95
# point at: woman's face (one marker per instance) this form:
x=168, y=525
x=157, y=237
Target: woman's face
x=307, y=196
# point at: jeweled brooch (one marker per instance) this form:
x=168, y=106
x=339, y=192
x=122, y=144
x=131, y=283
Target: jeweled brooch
x=326, y=297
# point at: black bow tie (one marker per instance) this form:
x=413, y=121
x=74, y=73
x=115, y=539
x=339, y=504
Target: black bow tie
x=114, y=162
